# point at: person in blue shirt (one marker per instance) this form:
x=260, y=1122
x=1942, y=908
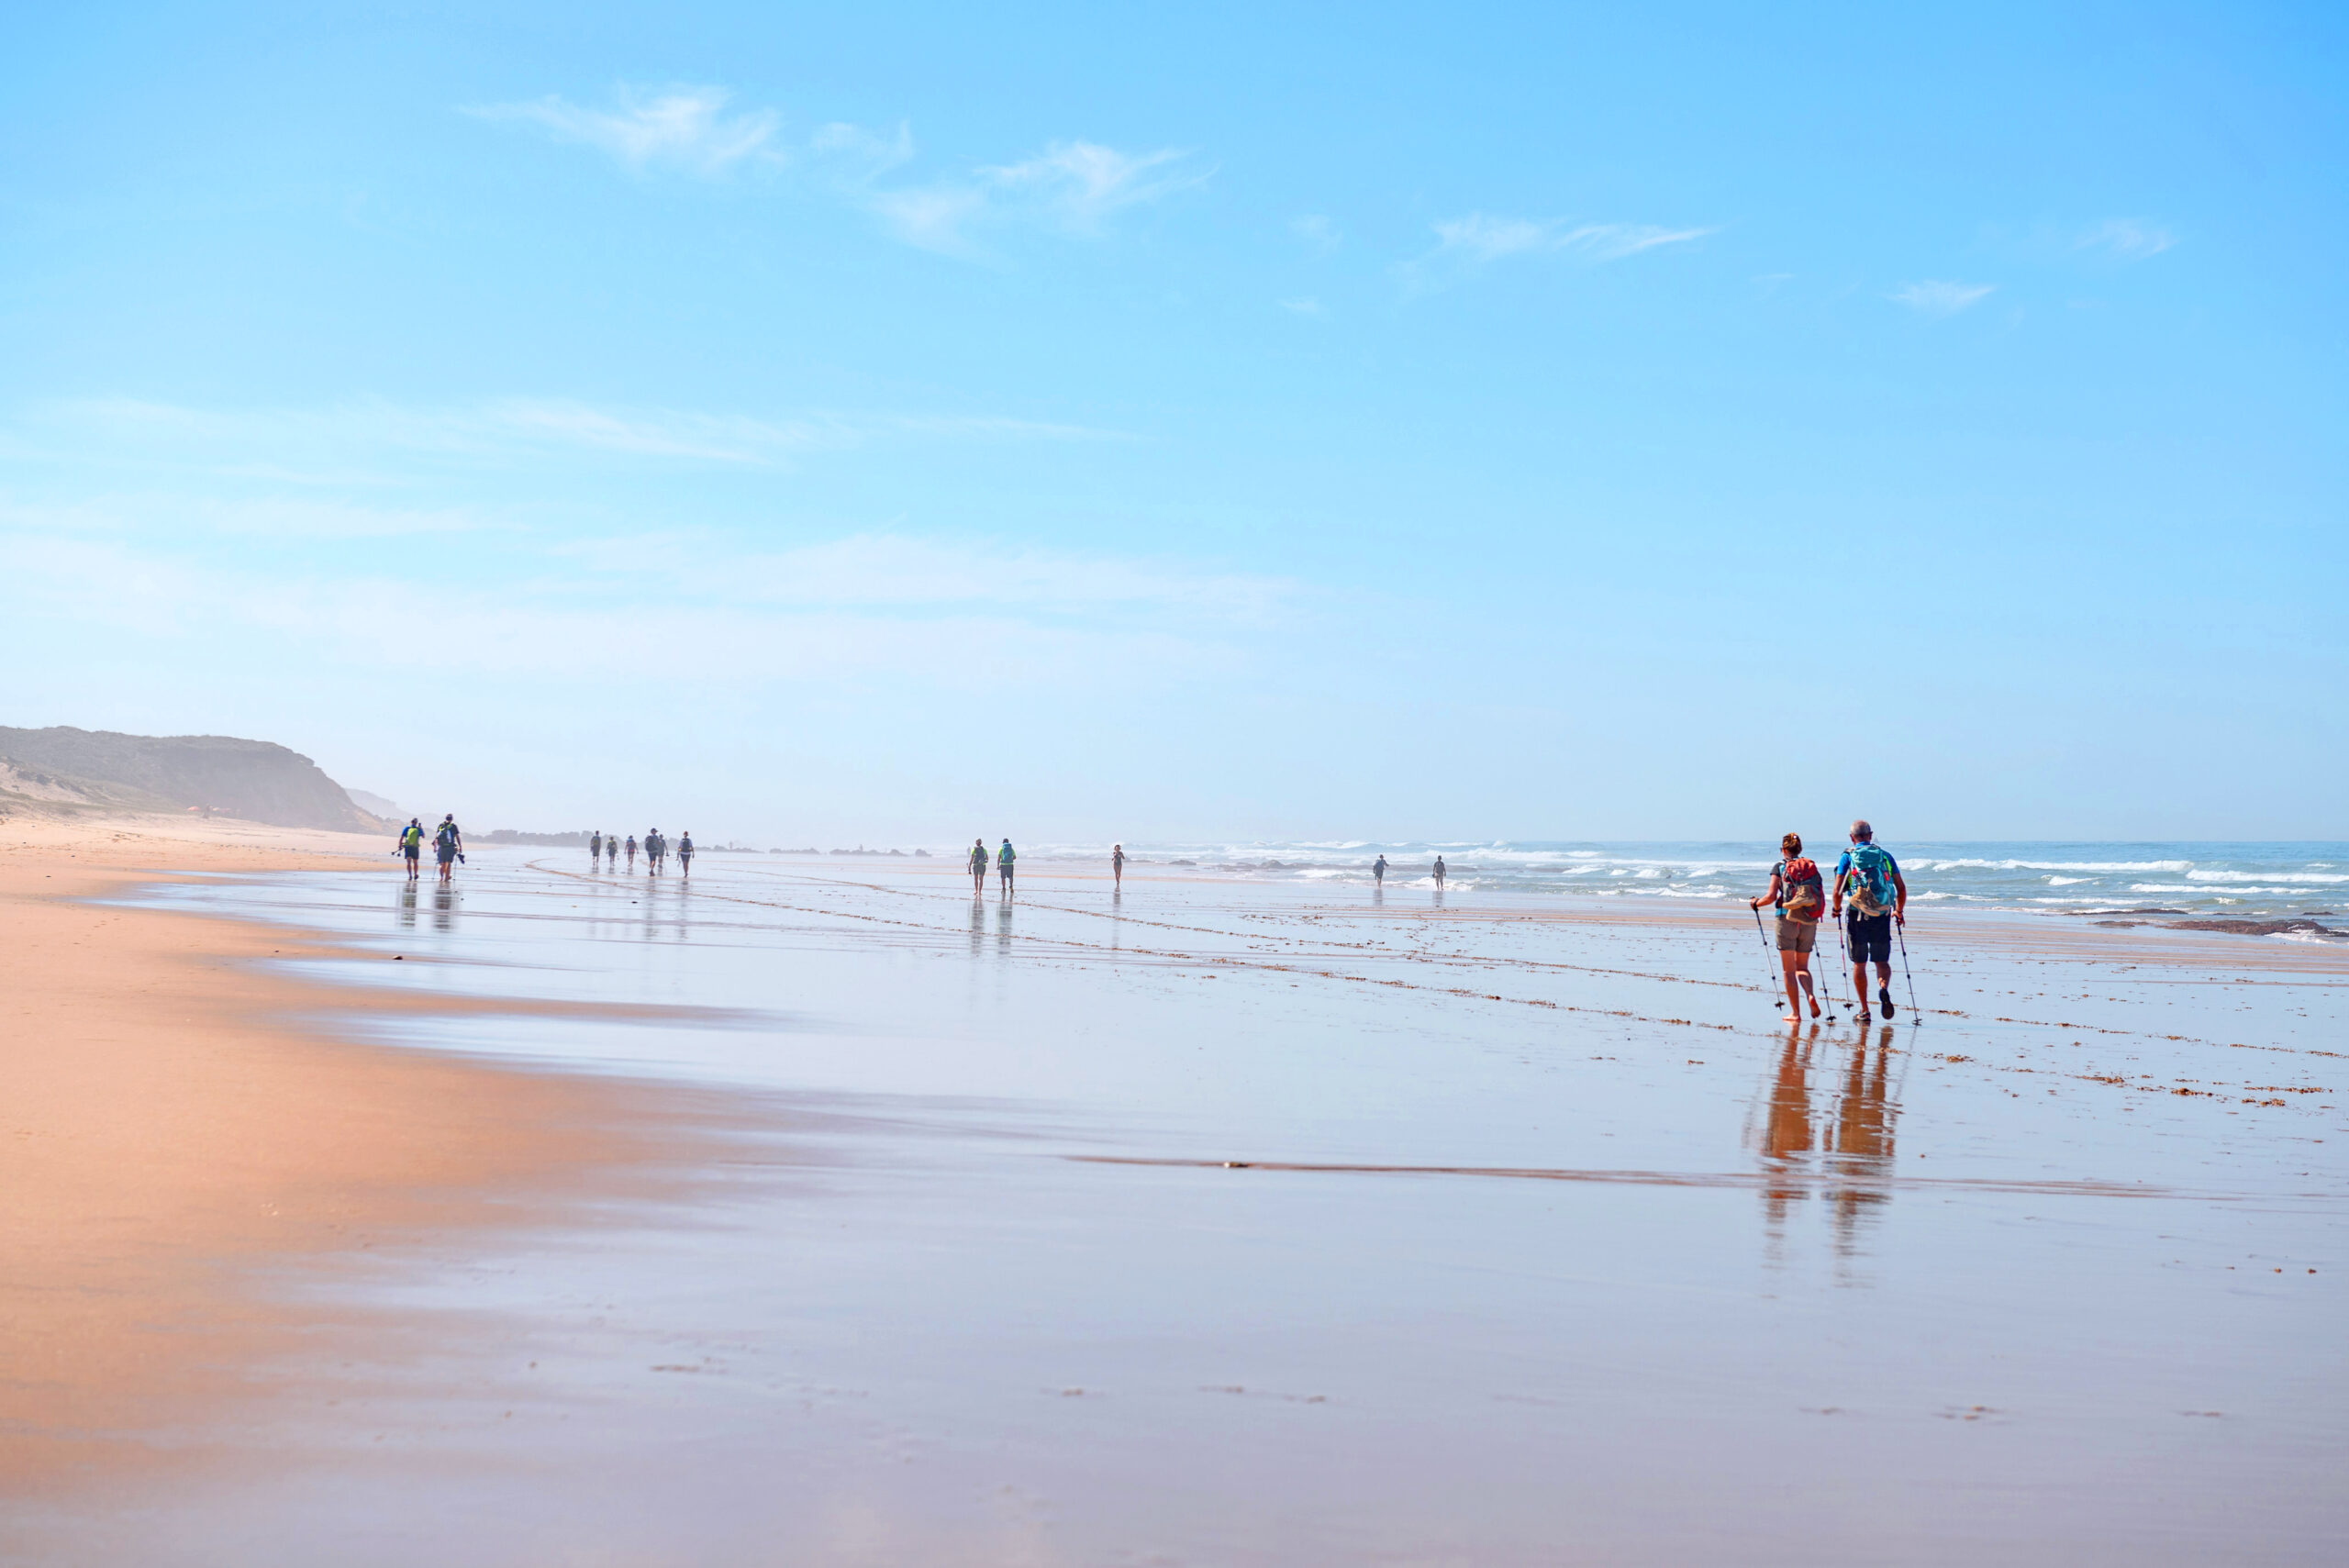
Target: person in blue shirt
x=1004, y=860
x=1871, y=879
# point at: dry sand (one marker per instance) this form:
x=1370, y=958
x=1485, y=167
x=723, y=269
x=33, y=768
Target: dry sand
x=170, y=1136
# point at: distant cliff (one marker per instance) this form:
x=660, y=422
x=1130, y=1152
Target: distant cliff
x=96, y=768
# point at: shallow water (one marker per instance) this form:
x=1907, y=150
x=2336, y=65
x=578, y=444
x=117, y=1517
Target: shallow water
x=2232, y=880
x=1274, y=1222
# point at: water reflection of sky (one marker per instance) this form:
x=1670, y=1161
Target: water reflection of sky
x=1508, y=1200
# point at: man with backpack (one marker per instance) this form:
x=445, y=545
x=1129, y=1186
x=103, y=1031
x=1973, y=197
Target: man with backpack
x=448, y=845
x=411, y=845
x=1005, y=860
x=1869, y=876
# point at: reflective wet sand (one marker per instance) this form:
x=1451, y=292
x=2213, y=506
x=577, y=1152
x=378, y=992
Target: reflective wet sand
x=1229, y=1223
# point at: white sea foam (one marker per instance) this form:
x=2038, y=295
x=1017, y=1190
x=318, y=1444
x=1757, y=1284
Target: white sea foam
x=2298, y=877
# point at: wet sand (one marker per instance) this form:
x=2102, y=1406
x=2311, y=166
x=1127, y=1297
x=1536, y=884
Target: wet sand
x=1225, y=1223
x=174, y=1144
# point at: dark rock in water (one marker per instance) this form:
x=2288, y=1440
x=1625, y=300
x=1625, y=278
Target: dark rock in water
x=2259, y=927
x=257, y=780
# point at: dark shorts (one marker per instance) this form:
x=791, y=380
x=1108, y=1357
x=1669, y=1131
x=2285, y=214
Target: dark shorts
x=1870, y=940
x=415, y=854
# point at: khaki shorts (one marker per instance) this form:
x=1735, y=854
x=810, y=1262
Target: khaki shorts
x=1796, y=936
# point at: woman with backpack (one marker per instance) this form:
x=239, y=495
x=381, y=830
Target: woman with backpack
x=1800, y=896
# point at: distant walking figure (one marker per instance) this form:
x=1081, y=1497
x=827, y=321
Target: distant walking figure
x=1870, y=877
x=978, y=867
x=1796, y=891
x=686, y=852
x=611, y=851
x=1438, y=873
x=1378, y=870
x=1118, y=864
x=632, y=854
x=654, y=847
x=412, y=846
x=1003, y=861
x=447, y=843
x=594, y=850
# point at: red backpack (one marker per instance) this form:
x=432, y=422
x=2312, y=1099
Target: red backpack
x=1801, y=894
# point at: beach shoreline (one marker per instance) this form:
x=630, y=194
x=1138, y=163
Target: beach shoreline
x=182, y=1131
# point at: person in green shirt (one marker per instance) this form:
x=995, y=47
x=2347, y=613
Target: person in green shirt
x=978, y=867
x=1003, y=861
x=412, y=846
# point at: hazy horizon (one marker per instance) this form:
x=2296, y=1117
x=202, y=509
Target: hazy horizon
x=1545, y=425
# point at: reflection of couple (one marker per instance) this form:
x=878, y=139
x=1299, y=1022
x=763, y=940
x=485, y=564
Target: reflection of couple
x=1853, y=1133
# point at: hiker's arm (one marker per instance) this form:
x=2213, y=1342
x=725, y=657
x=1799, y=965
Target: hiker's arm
x=1901, y=897
x=1769, y=897
x=1835, y=909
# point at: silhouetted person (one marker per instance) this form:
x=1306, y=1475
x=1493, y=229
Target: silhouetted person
x=1438, y=873
x=1004, y=860
x=1118, y=864
x=686, y=852
x=595, y=849
x=978, y=867
x=1378, y=871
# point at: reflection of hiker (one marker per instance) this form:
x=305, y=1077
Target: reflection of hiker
x=978, y=867
x=1118, y=864
x=411, y=845
x=595, y=849
x=686, y=852
x=1378, y=870
x=447, y=844
x=632, y=854
x=1868, y=875
x=1438, y=873
x=1800, y=896
x=1003, y=860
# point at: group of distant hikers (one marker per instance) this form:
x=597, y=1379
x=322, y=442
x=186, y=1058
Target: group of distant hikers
x=1868, y=881
x=448, y=846
x=657, y=850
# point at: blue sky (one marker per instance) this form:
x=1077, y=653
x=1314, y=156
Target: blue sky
x=1335, y=422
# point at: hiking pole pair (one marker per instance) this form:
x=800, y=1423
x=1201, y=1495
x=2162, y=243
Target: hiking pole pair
x=1779, y=979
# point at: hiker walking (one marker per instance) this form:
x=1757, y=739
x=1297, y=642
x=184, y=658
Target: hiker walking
x=611, y=850
x=595, y=849
x=1118, y=864
x=1438, y=873
x=632, y=854
x=1800, y=898
x=1003, y=863
x=978, y=864
x=653, y=849
x=1871, y=879
x=1378, y=871
x=686, y=852
x=447, y=844
x=411, y=846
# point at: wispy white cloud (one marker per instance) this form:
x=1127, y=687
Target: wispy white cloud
x=2128, y=239
x=684, y=128
x=1072, y=187
x=952, y=616
x=1469, y=244
x=1306, y=305
x=1938, y=296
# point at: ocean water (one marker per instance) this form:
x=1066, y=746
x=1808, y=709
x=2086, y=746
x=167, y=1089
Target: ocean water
x=2232, y=880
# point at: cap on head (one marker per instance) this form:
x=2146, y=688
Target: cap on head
x=1862, y=831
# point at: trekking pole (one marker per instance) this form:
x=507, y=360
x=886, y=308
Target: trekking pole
x=1902, y=929
x=1777, y=980
x=1843, y=949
